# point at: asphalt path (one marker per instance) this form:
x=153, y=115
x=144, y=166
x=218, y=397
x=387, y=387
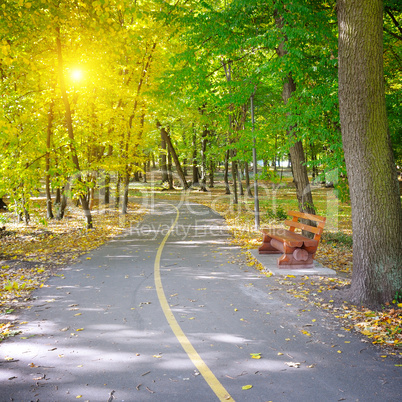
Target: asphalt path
x=169, y=311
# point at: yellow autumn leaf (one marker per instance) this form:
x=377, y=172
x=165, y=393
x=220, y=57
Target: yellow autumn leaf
x=245, y=387
x=79, y=329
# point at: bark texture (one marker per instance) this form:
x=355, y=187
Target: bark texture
x=374, y=192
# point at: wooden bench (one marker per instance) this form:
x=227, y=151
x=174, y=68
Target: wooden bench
x=297, y=250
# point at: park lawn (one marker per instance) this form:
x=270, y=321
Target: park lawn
x=30, y=254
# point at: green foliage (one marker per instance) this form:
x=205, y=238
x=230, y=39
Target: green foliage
x=278, y=213
x=269, y=175
x=398, y=296
x=338, y=238
x=3, y=219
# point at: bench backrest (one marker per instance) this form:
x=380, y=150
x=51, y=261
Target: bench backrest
x=295, y=224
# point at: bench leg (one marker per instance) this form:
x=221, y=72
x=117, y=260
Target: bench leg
x=290, y=261
x=266, y=247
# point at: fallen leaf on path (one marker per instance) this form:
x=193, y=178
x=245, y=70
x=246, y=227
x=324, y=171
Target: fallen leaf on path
x=293, y=364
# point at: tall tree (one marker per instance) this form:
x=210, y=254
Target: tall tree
x=374, y=190
x=296, y=151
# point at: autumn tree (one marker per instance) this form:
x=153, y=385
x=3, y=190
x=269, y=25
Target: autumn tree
x=374, y=190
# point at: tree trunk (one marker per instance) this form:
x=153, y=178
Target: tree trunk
x=211, y=173
x=166, y=137
x=49, y=213
x=249, y=192
x=239, y=177
x=234, y=178
x=203, y=182
x=300, y=177
x=374, y=192
x=298, y=161
x=124, y=205
x=169, y=169
x=3, y=205
x=195, y=163
x=106, y=196
x=226, y=172
x=163, y=155
x=145, y=172
x=69, y=124
x=61, y=201
x=117, y=192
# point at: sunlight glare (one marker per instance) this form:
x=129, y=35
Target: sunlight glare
x=77, y=75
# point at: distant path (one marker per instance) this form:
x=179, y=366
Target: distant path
x=170, y=312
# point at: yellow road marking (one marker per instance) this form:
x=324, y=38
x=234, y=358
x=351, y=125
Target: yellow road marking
x=204, y=370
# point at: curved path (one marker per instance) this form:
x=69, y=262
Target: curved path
x=170, y=312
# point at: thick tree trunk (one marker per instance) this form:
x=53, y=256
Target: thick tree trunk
x=374, y=192
x=166, y=137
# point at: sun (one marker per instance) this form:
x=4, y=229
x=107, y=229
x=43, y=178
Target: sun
x=77, y=74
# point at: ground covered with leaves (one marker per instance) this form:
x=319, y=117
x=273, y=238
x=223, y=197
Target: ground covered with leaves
x=29, y=254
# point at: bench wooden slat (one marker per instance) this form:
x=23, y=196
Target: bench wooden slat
x=291, y=238
x=303, y=226
x=304, y=215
